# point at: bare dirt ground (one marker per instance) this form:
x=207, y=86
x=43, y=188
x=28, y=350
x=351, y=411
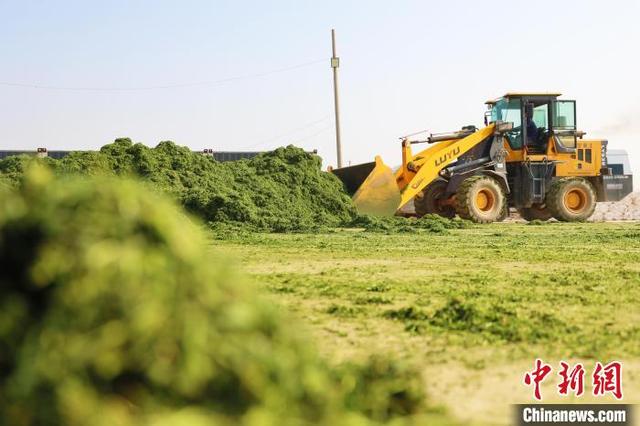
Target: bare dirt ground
x=626, y=209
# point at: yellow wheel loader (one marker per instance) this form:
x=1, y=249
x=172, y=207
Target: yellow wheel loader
x=529, y=156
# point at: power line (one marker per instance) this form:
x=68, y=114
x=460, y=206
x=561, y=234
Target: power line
x=161, y=87
x=313, y=135
x=288, y=133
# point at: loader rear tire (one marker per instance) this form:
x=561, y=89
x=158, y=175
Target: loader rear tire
x=571, y=199
x=428, y=202
x=535, y=212
x=480, y=199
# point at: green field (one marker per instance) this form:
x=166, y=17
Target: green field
x=471, y=308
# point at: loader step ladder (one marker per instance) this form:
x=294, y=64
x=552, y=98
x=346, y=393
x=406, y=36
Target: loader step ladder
x=539, y=174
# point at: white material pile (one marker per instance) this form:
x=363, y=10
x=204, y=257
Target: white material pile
x=626, y=209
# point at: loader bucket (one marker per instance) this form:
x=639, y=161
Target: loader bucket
x=372, y=187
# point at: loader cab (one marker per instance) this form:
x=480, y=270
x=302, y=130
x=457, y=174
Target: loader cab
x=539, y=119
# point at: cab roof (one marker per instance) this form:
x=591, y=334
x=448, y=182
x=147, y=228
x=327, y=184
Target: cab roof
x=522, y=95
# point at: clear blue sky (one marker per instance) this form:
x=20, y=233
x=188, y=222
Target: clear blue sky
x=406, y=66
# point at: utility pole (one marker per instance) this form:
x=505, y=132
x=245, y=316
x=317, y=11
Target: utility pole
x=335, y=63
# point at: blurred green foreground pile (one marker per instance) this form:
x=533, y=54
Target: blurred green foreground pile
x=113, y=312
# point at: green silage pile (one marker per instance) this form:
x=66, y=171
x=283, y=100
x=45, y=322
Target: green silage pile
x=430, y=223
x=113, y=311
x=281, y=190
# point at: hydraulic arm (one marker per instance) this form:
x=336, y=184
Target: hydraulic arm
x=377, y=190
x=420, y=170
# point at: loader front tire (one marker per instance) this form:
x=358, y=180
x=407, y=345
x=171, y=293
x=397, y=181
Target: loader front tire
x=429, y=201
x=571, y=199
x=535, y=212
x=480, y=199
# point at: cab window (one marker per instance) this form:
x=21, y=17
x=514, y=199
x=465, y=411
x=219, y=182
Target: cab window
x=564, y=115
x=541, y=116
x=509, y=110
x=564, y=122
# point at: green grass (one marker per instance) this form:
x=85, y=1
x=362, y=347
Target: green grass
x=472, y=307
